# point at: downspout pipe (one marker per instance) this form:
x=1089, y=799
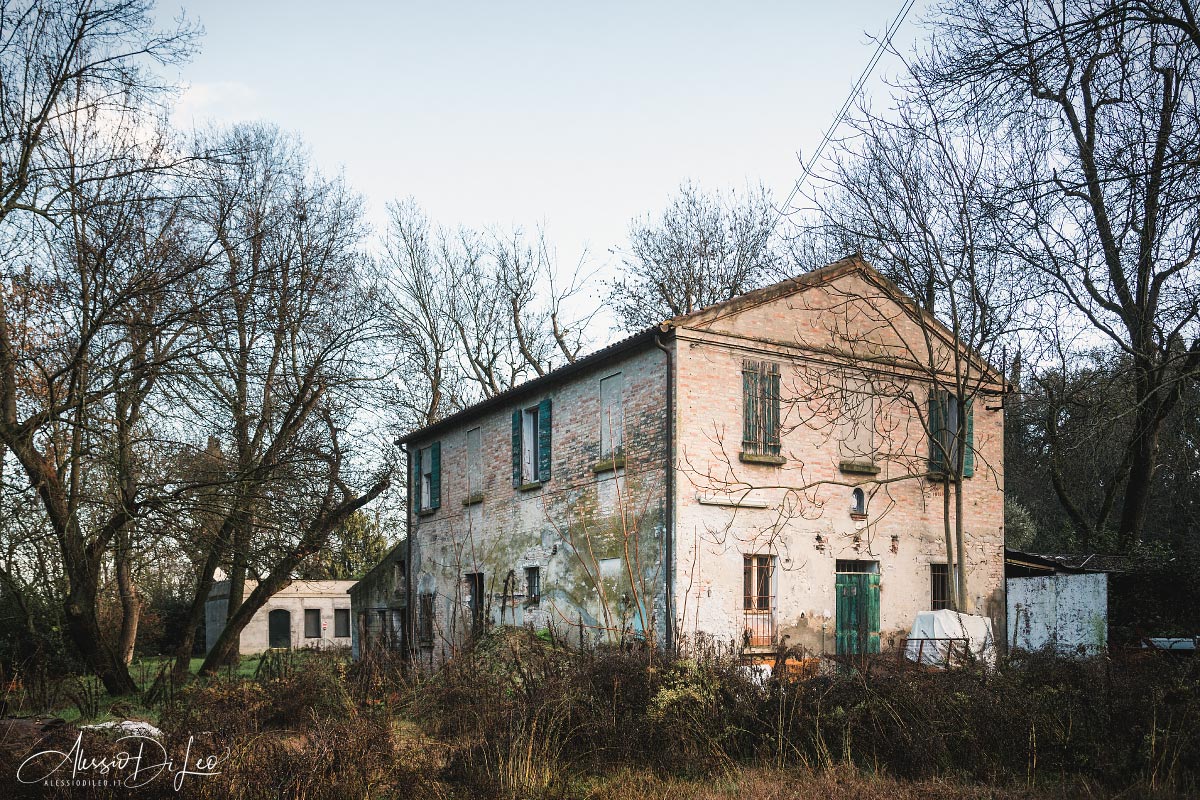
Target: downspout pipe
x=409, y=611
x=669, y=531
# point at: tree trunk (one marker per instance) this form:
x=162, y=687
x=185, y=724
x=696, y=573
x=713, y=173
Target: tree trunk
x=84, y=630
x=951, y=570
x=204, y=584
x=1141, y=477
x=963, y=603
x=131, y=605
x=280, y=576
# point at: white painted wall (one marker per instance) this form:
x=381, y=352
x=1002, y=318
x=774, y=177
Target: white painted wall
x=1068, y=613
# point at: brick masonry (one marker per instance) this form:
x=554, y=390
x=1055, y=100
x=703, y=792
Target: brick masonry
x=598, y=538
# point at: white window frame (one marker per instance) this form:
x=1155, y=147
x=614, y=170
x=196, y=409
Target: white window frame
x=425, y=455
x=529, y=445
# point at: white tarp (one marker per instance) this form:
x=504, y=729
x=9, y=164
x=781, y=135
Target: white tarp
x=938, y=635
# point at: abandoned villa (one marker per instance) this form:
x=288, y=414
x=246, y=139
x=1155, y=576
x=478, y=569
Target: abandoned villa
x=768, y=469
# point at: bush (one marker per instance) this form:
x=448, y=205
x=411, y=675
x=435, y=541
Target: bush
x=523, y=714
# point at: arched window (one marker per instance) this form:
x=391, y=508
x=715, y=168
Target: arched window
x=858, y=502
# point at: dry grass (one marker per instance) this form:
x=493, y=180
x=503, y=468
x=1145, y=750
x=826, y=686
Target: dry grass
x=516, y=718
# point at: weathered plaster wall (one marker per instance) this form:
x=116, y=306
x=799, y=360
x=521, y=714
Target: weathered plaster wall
x=574, y=527
x=904, y=526
x=323, y=595
x=378, y=601
x=1067, y=613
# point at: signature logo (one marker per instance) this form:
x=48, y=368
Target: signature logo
x=144, y=760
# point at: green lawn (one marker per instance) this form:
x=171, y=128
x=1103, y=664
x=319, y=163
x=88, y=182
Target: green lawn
x=144, y=670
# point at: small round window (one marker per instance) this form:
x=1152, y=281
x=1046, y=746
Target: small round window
x=858, y=502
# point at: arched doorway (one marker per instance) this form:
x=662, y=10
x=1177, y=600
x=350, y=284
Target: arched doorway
x=279, y=628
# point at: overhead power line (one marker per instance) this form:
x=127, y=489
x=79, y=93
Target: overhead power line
x=884, y=43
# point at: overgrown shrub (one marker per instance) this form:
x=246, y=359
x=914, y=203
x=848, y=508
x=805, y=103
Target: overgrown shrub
x=523, y=713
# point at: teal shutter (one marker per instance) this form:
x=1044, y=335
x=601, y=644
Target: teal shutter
x=771, y=410
x=516, y=447
x=750, y=407
x=435, y=475
x=969, y=441
x=937, y=455
x=414, y=495
x=872, y=601
x=543, y=444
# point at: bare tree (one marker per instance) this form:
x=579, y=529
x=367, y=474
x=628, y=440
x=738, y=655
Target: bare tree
x=474, y=314
x=75, y=98
x=1101, y=99
x=704, y=249
x=285, y=352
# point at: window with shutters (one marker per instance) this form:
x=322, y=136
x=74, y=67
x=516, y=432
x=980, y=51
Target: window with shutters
x=427, y=478
x=760, y=412
x=474, y=466
x=529, y=438
x=341, y=622
x=612, y=416
x=312, y=623
x=944, y=411
x=531, y=445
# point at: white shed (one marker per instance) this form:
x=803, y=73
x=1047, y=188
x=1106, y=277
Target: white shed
x=1051, y=606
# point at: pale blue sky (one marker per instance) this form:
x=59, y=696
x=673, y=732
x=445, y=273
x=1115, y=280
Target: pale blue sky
x=570, y=115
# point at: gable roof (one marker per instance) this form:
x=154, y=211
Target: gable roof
x=695, y=319
x=822, y=276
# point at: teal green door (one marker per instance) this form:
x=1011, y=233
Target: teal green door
x=857, y=613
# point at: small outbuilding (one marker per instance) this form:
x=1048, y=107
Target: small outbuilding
x=380, y=604
x=304, y=614
x=1055, y=602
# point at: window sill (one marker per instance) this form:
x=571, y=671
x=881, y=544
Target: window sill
x=427, y=512
x=731, y=501
x=854, y=515
x=859, y=467
x=759, y=458
x=941, y=476
x=529, y=487
x=473, y=499
x=608, y=464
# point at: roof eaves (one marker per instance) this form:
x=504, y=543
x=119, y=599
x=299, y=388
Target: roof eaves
x=542, y=382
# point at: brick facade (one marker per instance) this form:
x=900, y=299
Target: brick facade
x=612, y=545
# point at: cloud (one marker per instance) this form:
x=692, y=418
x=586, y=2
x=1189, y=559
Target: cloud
x=219, y=101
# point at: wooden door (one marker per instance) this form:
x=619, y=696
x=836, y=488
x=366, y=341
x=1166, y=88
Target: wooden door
x=857, y=628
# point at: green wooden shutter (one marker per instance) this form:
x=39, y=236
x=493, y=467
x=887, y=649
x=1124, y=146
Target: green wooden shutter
x=969, y=441
x=750, y=406
x=414, y=495
x=516, y=447
x=771, y=410
x=872, y=603
x=846, y=624
x=937, y=416
x=435, y=475
x=543, y=443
